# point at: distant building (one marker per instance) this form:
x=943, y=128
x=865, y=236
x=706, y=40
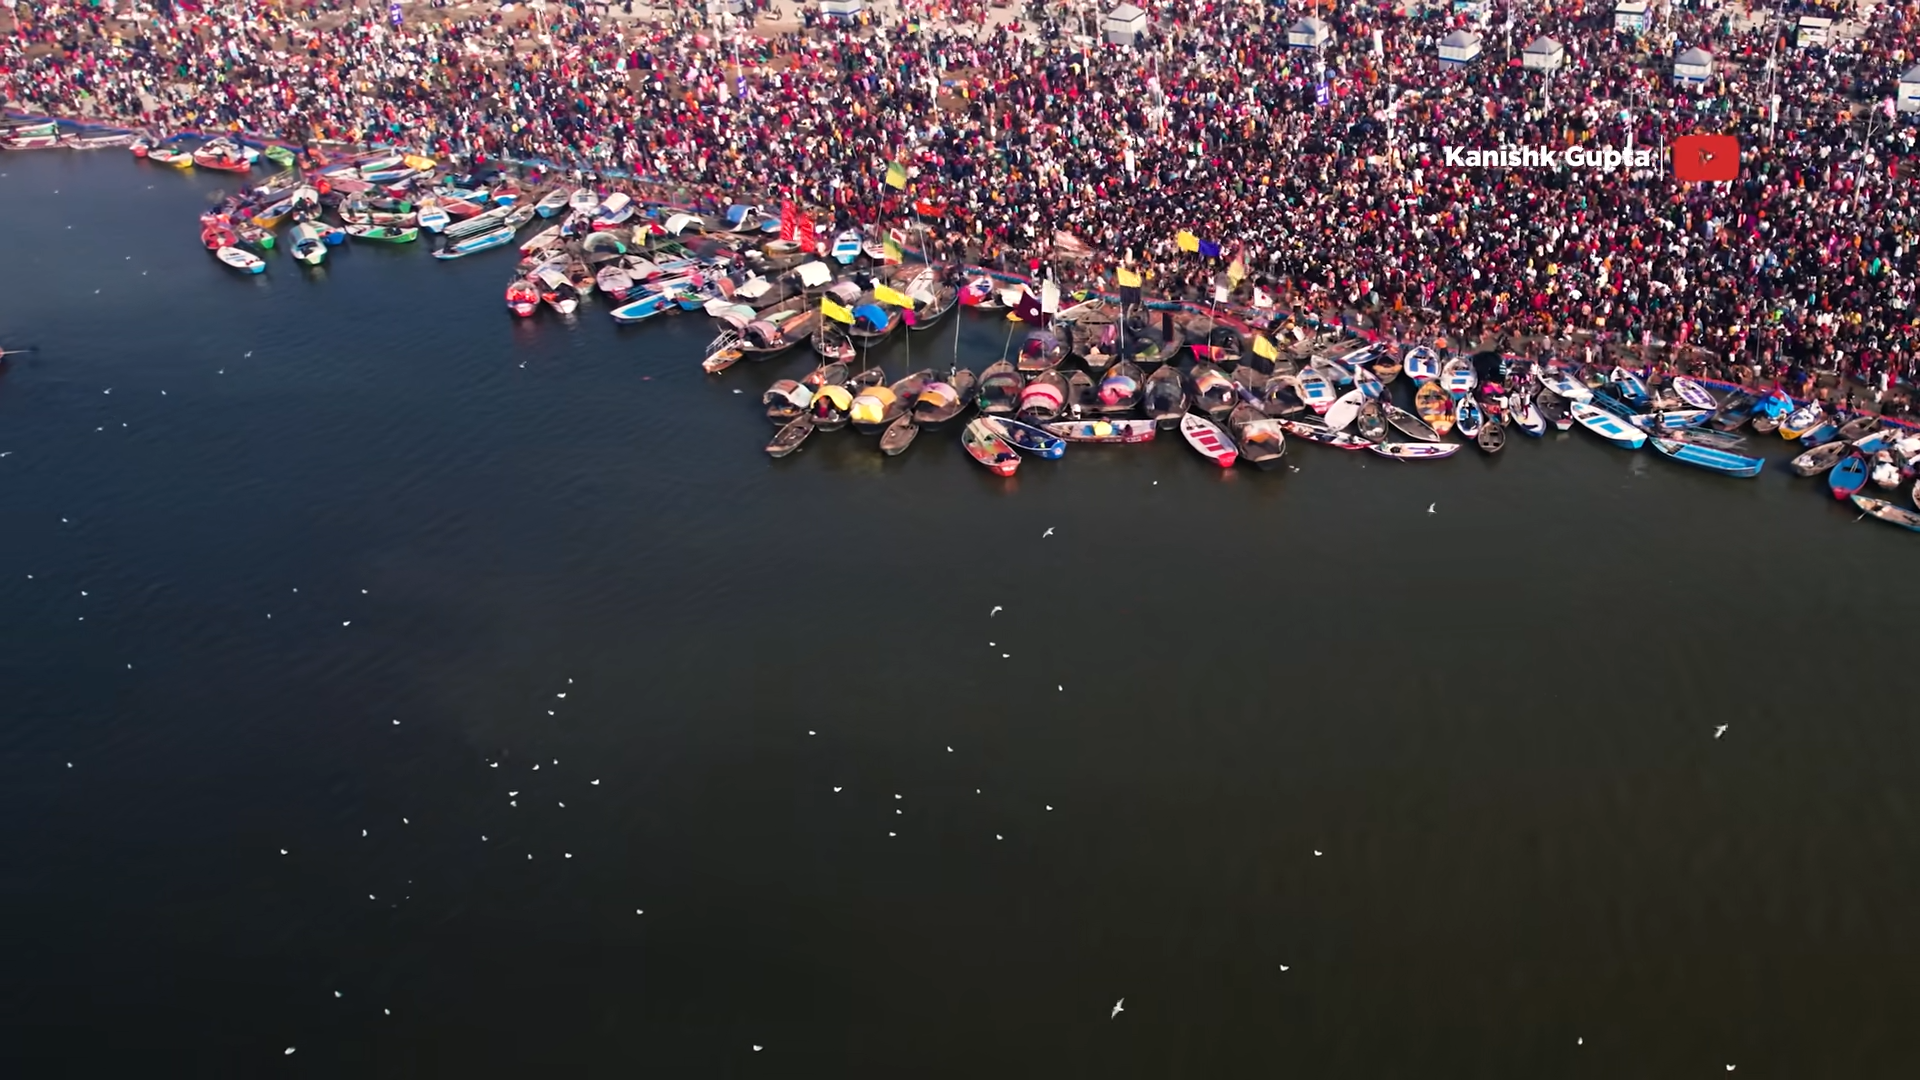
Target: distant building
x=1544, y=54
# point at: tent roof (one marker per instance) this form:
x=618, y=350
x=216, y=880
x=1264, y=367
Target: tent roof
x=1695, y=55
x=1459, y=39
x=1125, y=13
x=1542, y=45
x=1912, y=75
x=1308, y=25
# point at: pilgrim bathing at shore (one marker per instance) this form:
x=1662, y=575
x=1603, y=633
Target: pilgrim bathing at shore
x=1148, y=204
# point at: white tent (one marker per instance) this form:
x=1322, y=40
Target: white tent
x=1125, y=25
x=1693, y=67
x=1906, y=96
x=840, y=9
x=1309, y=33
x=1459, y=47
x=815, y=274
x=1630, y=16
x=1544, y=54
x=1815, y=31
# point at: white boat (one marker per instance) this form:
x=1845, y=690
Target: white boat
x=1458, y=377
x=432, y=218
x=244, y=261
x=1414, y=450
x=1606, y=425
x=617, y=208
x=1315, y=390
x=467, y=245
x=543, y=238
x=1563, y=384
x=1342, y=413
x=1673, y=418
x=1421, y=363
x=1365, y=380
x=1694, y=394
x=556, y=290
x=1526, y=415
x=584, y=201
x=380, y=164
x=846, y=247
x=551, y=203
x=307, y=243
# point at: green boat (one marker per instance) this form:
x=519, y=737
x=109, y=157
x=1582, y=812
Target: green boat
x=384, y=234
x=278, y=154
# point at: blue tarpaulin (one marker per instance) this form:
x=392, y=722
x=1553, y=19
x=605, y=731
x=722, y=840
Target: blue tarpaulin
x=873, y=315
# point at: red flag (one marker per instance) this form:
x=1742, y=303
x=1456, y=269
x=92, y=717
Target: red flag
x=789, y=220
x=803, y=233
x=1028, y=309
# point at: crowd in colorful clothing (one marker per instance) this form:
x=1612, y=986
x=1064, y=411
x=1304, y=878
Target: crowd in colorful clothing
x=1318, y=175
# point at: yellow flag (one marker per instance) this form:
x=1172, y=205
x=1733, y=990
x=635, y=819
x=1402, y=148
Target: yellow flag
x=892, y=296
x=1186, y=240
x=835, y=312
x=1264, y=349
x=896, y=175
x=1236, y=270
x=1128, y=279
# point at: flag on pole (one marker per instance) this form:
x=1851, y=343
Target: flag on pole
x=1027, y=309
x=1237, y=269
x=1210, y=249
x=1049, y=296
x=1260, y=298
x=1263, y=348
x=1186, y=241
x=803, y=233
x=896, y=175
x=789, y=220
x=893, y=252
x=1221, y=291
x=835, y=312
x=1127, y=278
x=888, y=295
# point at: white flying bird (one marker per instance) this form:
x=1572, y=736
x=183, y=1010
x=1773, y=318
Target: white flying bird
x=996, y=610
x=1430, y=507
x=1118, y=1008
x=1719, y=731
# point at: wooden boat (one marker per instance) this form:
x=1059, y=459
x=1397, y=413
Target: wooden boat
x=1211, y=391
x=1414, y=451
x=789, y=437
x=1606, y=425
x=1000, y=387
x=777, y=332
x=1319, y=433
x=1457, y=377
x=1694, y=394
x=983, y=442
x=1043, y=399
x=1081, y=399
x=551, y=203
x=722, y=353
x=1262, y=441
x=1468, y=417
x=1668, y=420
x=1164, y=396
x=432, y=217
x=1875, y=441
x=1765, y=424
x=471, y=245
x=1367, y=382
x=1849, y=476
x=787, y=400
x=1341, y=415
x=215, y=237
x=1802, y=420
x=1034, y=441
x=1733, y=412
x=873, y=322
x=306, y=245
x=831, y=406
x=1857, y=428
x=1371, y=423
x=1822, y=432
x=1121, y=389
x=244, y=261
x=1887, y=512
x=1522, y=413
x=1408, y=424
x=645, y=306
x=831, y=343
x=1704, y=457
x=1630, y=387
x=846, y=247
x=942, y=400
x=1435, y=406
x=208, y=157
x=1104, y=431
x=384, y=234
x=614, y=211
x=1553, y=409
x=1562, y=384
x=899, y=435
x=583, y=201
x=1041, y=351
x=1281, y=397
x=1206, y=437
x=558, y=293
x=1707, y=437
x=167, y=155
x=873, y=408
x=1492, y=436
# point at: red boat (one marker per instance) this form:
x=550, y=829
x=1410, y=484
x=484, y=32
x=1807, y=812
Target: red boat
x=217, y=237
x=1205, y=436
x=459, y=208
x=984, y=444
x=221, y=162
x=522, y=298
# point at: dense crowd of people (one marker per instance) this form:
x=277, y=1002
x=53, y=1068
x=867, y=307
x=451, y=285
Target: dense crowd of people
x=1316, y=176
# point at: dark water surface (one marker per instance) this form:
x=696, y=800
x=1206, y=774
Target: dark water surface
x=1494, y=723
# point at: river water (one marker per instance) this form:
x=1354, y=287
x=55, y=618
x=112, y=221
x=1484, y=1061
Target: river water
x=436, y=693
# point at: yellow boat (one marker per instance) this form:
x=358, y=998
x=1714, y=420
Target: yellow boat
x=415, y=161
x=1435, y=406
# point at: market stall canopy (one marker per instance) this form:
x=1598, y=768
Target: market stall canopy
x=1907, y=96
x=1125, y=25
x=815, y=274
x=1309, y=33
x=1693, y=66
x=1630, y=16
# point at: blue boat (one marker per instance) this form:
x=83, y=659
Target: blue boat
x=1720, y=461
x=1630, y=387
x=1029, y=439
x=644, y=307
x=846, y=247
x=1848, y=477
x=1824, y=433
x=1606, y=425
x=467, y=245
x=1613, y=404
x=1774, y=405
